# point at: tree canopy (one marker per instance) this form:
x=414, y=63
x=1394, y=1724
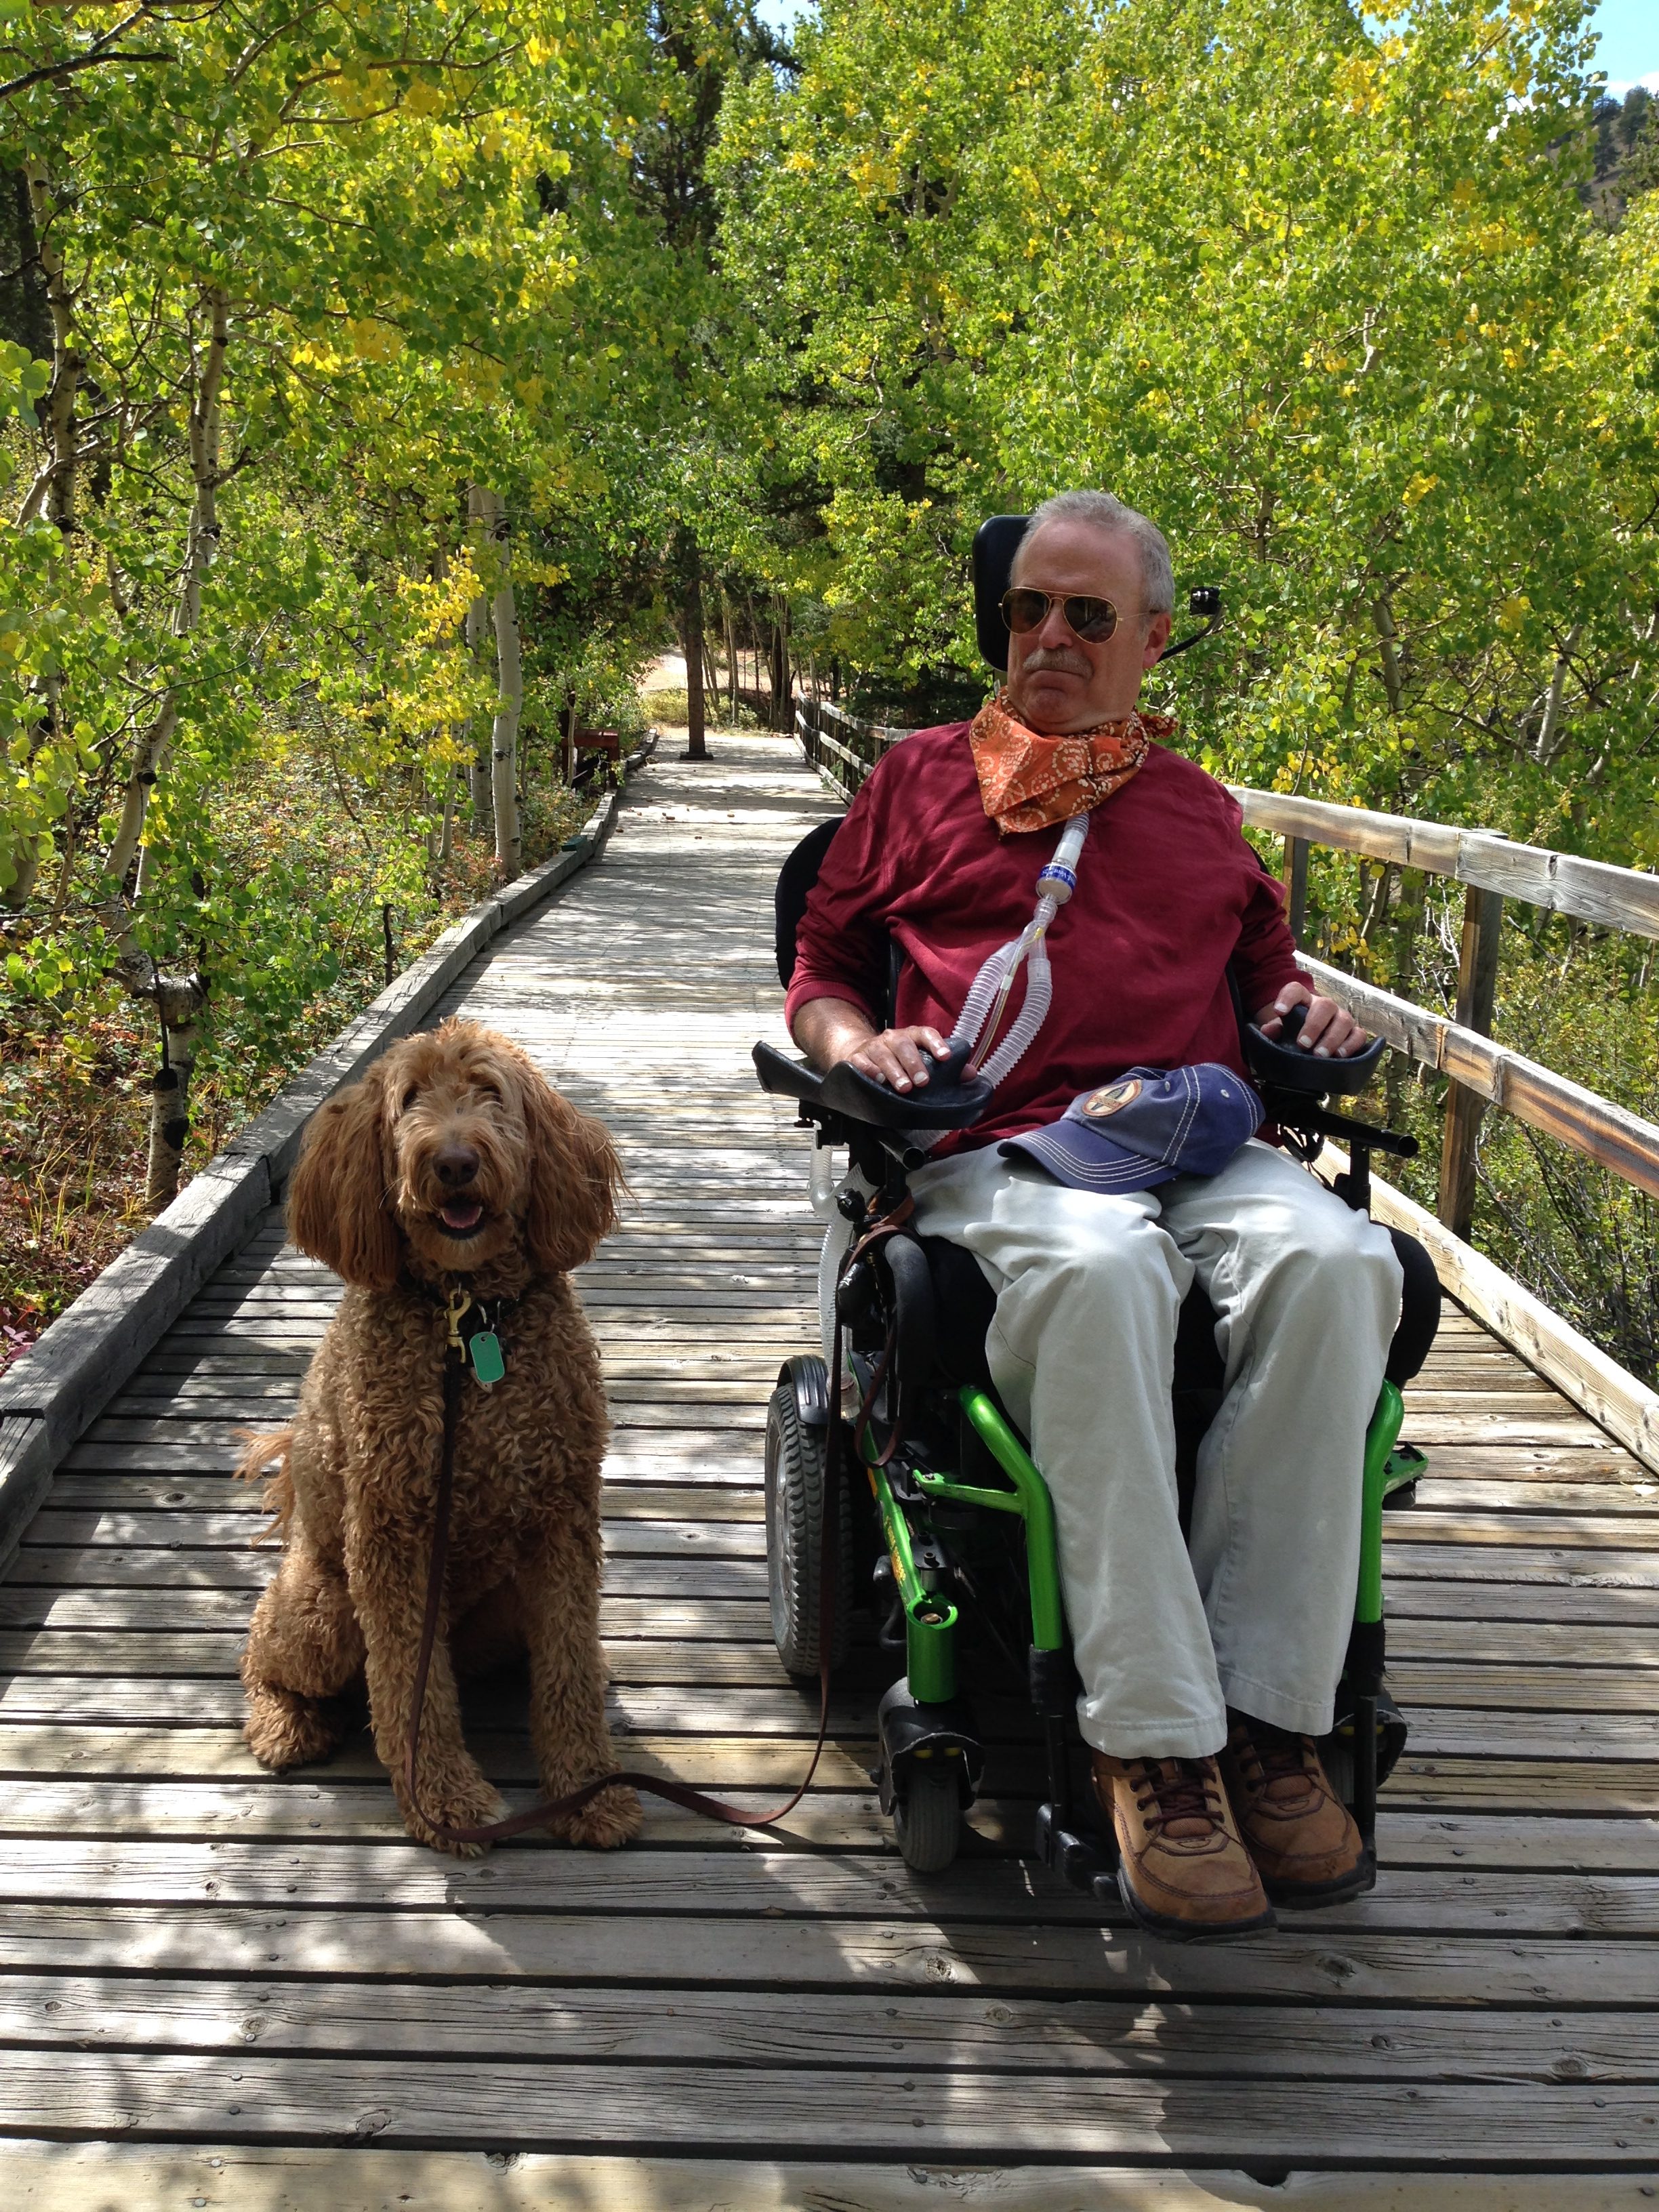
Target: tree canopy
x=381, y=380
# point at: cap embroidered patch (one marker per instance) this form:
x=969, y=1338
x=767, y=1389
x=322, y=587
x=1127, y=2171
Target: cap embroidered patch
x=1112, y=1098
x=1163, y=1122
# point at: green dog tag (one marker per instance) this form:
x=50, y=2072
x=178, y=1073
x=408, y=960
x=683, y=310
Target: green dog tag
x=487, y=1362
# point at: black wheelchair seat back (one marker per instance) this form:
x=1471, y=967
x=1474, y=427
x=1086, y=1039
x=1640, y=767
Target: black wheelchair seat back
x=794, y=887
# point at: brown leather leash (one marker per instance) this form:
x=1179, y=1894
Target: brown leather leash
x=676, y=1793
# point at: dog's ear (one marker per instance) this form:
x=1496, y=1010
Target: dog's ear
x=338, y=1207
x=574, y=1176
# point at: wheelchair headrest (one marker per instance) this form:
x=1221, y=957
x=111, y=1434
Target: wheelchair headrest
x=995, y=543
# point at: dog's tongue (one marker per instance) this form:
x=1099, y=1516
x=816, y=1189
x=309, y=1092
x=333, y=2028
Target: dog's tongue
x=461, y=1216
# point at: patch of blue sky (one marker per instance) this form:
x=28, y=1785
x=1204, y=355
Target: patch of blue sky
x=1628, y=50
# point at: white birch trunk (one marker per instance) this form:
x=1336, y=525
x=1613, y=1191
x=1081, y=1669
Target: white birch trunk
x=201, y=548
x=510, y=703
x=178, y=999
x=1389, y=651
x=477, y=628
x=55, y=486
x=1549, y=743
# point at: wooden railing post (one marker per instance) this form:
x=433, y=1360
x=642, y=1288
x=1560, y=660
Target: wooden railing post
x=1477, y=988
x=1295, y=879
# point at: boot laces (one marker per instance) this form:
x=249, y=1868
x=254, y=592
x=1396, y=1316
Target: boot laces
x=1278, y=1758
x=1182, y=1796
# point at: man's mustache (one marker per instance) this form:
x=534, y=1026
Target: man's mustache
x=1060, y=657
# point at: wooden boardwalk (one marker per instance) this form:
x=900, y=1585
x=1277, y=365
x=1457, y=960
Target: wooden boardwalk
x=230, y=1973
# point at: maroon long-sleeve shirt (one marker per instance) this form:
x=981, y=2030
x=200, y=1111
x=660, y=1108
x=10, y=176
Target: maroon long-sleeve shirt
x=1168, y=893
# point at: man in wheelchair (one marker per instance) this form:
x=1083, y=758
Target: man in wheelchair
x=1118, y=1162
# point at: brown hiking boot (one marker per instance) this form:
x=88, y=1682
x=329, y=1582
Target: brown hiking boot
x=1181, y=1867
x=1302, y=1838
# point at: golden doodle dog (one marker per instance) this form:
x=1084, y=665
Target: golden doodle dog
x=453, y=1166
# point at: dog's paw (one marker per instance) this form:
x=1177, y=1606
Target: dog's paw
x=614, y=1817
x=463, y=1805
x=284, y=1729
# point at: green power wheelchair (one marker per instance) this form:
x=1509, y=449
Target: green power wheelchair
x=912, y=1496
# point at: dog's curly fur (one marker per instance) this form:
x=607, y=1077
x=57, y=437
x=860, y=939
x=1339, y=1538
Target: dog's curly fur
x=454, y=1122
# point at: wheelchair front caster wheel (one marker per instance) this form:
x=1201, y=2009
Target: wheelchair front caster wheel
x=928, y=1819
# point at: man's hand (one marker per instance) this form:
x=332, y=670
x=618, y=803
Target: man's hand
x=830, y=1030
x=1327, y=1031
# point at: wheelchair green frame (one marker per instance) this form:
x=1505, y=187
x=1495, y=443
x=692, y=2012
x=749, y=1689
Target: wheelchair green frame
x=931, y=1620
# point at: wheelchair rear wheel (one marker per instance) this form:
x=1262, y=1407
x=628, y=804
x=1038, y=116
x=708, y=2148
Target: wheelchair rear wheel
x=928, y=1819
x=797, y=1470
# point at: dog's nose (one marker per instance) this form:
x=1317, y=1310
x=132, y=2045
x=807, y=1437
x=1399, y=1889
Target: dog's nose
x=456, y=1165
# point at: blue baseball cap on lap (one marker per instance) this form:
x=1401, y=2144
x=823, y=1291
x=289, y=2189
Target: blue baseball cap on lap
x=1146, y=1127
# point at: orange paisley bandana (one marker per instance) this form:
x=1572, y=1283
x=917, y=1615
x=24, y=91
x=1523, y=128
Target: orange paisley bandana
x=1027, y=781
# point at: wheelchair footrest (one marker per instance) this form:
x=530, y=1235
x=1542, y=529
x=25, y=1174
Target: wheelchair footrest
x=1076, y=1854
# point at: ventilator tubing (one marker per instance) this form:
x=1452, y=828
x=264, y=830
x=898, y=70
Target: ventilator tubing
x=983, y=1008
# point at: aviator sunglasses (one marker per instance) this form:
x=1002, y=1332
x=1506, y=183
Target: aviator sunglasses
x=1091, y=619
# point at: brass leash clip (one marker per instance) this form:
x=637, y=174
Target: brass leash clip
x=458, y=1302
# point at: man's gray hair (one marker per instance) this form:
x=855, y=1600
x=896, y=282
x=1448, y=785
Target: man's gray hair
x=1105, y=512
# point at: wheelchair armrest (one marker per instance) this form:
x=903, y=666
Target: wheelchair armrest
x=1283, y=1063
x=784, y=1078
x=946, y=1102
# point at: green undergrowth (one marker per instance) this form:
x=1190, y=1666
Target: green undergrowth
x=313, y=878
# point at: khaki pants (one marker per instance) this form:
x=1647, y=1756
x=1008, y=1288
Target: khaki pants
x=1307, y=1293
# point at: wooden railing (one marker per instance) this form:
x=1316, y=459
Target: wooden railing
x=1480, y=1072
x=841, y=748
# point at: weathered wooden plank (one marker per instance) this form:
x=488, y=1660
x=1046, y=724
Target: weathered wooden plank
x=694, y=1655
x=1568, y=1567
x=1486, y=1782
x=110, y=1669
x=247, y=1568
x=46, y=1568
x=1586, y=1728
x=1456, y=1493
x=179, y=1530
x=1491, y=1603
x=1486, y=1777
x=1548, y=1662
x=1492, y=1613
x=208, y=1752
x=1617, y=898
x=1012, y=2036
x=1336, y=1963
x=1003, y=1892
x=320, y=1804
x=619, y=1501
x=1430, y=1524
x=275, y=2178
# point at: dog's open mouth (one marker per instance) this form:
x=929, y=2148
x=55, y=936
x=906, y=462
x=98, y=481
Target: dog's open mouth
x=461, y=1216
